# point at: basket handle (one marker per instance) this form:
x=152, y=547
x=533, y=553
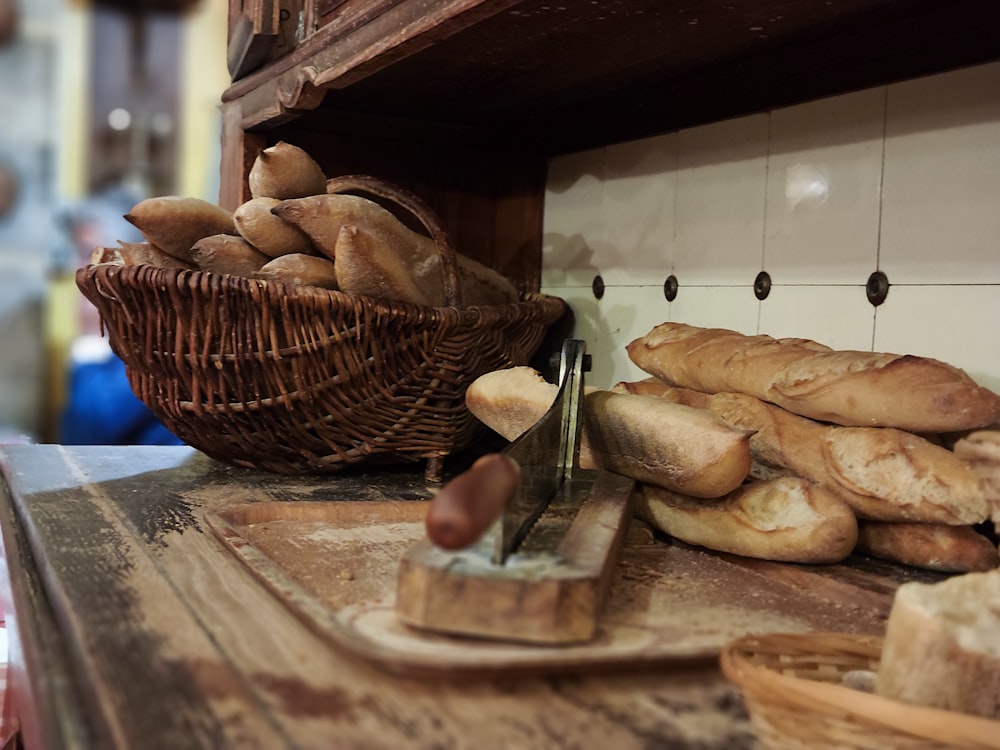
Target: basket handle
x=421, y=211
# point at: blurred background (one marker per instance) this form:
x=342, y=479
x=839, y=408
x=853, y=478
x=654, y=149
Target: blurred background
x=102, y=103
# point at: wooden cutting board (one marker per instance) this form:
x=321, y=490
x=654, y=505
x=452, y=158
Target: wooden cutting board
x=334, y=563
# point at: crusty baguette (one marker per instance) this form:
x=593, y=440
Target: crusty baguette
x=846, y=387
x=787, y=519
x=933, y=546
x=649, y=439
x=884, y=474
x=942, y=645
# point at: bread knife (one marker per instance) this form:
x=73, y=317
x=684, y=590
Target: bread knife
x=501, y=496
x=480, y=572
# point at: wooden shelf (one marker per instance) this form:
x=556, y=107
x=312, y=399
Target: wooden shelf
x=553, y=77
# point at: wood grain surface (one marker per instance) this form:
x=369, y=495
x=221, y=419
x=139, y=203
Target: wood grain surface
x=165, y=639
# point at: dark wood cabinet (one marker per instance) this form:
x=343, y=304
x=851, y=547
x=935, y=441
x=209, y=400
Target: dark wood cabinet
x=464, y=101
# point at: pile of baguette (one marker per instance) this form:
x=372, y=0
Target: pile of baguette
x=301, y=228
x=784, y=449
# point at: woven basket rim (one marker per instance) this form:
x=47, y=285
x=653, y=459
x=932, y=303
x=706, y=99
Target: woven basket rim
x=935, y=724
x=301, y=292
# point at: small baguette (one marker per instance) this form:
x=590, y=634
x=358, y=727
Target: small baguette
x=947, y=549
x=674, y=446
x=787, y=519
x=321, y=217
x=367, y=266
x=942, y=645
x=845, y=387
x=884, y=474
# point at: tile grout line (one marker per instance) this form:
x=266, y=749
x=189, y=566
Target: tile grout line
x=881, y=188
x=763, y=232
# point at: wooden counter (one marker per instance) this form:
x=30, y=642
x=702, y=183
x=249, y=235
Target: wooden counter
x=134, y=626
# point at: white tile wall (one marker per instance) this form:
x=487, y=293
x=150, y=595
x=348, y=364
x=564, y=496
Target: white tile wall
x=719, y=210
x=941, y=200
x=903, y=178
x=824, y=173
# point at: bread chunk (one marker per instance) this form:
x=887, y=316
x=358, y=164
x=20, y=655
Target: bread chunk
x=942, y=645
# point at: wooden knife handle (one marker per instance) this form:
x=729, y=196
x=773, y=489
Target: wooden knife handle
x=464, y=508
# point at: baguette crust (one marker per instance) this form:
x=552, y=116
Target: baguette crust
x=787, y=519
x=852, y=388
x=947, y=549
x=675, y=446
x=884, y=474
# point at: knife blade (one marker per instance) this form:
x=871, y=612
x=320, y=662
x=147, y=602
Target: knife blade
x=547, y=454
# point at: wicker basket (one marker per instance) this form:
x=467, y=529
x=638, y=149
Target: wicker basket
x=792, y=687
x=297, y=379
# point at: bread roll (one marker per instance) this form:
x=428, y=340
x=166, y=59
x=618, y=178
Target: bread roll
x=846, y=387
x=942, y=645
x=684, y=449
x=270, y=234
x=173, y=223
x=787, y=519
x=948, y=549
x=227, y=254
x=285, y=171
x=884, y=474
x=300, y=269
